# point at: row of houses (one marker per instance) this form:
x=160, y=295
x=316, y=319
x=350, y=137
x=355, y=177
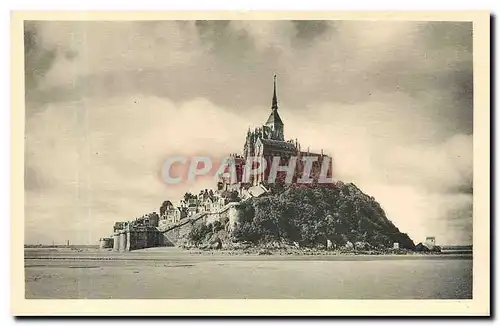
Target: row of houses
x=172, y=213
x=206, y=201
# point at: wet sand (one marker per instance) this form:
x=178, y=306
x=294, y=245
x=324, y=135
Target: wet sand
x=171, y=273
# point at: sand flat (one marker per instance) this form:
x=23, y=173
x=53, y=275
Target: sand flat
x=170, y=273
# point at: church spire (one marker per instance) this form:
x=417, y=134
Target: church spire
x=275, y=98
x=274, y=122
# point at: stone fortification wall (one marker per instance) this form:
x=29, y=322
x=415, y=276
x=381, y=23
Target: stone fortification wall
x=176, y=235
x=106, y=243
x=145, y=238
x=229, y=215
x=139, y=238
x=116, y=242
x=122, y=241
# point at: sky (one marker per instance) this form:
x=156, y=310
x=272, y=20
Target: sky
x=108, y=102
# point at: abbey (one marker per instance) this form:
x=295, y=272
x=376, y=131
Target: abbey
x=268, y=142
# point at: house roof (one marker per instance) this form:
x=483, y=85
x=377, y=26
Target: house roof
x=257, y=191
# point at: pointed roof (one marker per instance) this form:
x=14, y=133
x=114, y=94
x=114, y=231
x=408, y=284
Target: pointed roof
x=274, y=118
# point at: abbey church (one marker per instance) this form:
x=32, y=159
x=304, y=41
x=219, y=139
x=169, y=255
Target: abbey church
x=268, y=141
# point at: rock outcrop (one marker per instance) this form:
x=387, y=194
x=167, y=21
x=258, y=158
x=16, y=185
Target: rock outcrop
x=316, y=215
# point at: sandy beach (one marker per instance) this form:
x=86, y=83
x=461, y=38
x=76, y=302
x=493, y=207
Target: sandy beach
x=172, y=273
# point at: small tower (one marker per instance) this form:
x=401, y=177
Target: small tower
x=430, y=242
x=274, y=121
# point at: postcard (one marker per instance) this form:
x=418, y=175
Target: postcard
x=250, y=163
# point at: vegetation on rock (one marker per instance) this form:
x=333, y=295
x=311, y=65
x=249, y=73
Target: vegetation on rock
x=310, y=216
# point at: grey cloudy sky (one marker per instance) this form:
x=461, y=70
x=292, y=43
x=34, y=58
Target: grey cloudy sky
x=106, y=102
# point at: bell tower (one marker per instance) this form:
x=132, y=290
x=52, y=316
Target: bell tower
x=274, y=121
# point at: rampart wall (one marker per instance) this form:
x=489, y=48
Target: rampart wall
x=175, y=235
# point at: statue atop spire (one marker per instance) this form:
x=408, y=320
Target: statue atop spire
x=275, y=98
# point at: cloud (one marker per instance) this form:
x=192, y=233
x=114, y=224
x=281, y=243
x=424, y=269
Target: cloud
x=108, y=101
x=104, y=160
x=38, y=58
x=421, y=183
x=432, y=62
x=110, y=170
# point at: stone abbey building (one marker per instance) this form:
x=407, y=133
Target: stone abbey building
x=267, y=142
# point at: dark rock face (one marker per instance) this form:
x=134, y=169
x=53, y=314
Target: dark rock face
x=421, y=248
x=424, y=248
x=312, y=215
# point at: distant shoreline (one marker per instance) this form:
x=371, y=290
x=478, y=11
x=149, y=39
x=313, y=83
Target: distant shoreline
x=455, y=250
x=27, y=246
x=172, y=254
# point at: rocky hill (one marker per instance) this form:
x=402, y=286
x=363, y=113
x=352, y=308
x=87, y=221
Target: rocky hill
x=309, y=216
